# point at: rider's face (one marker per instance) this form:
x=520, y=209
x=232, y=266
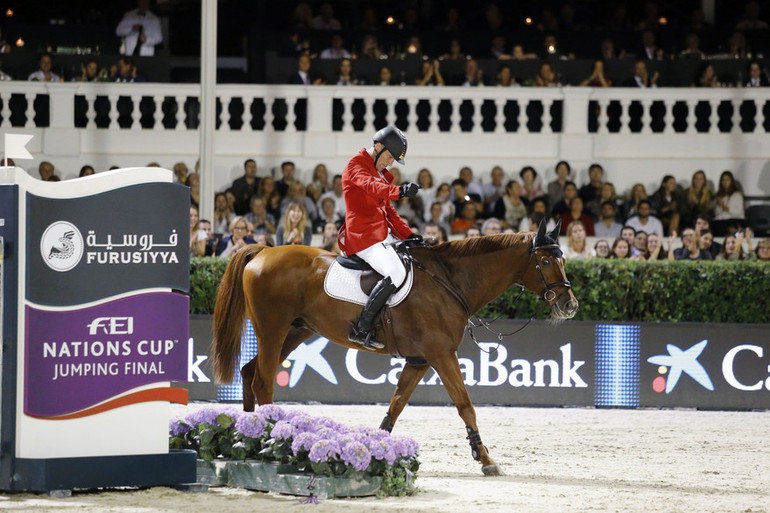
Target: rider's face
x=385, y=160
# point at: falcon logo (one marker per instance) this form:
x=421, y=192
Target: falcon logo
x=61, y=246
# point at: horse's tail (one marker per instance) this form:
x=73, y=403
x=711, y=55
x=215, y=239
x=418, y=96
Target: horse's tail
x=229, y=314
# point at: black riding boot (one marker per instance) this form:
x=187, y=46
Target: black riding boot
x=362, y=332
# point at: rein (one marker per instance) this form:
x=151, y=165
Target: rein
x=549, y=296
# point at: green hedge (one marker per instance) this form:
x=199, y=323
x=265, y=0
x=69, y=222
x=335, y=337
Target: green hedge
x=608, y=290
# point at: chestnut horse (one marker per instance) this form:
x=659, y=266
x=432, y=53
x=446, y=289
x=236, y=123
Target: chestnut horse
x=281, y=290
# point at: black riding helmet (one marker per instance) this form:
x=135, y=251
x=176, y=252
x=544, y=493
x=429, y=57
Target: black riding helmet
x=393, y=140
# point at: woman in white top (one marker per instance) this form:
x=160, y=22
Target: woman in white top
x=729, y=199
x=576, y=242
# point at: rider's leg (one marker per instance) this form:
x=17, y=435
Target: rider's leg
x=383, y=259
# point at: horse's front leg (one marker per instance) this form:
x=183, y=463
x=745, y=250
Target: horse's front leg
x=448, y=369
x=407, y=382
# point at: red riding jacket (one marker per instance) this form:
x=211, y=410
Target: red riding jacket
x=368, y=211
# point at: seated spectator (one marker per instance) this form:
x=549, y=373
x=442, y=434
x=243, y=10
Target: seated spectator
x=505, y=78
x=473, y=231
x=385, y=77
x=597, y=77
x=576, y=246
x=295, y=227
x=336, y=50
x=665, y=203
x=707, y=243
x=261, y=221
x=608, y=53
x=732, y=248
x=757, y=76
x=325, y=20
x=86, y=171
x=223, y=215
x=303, y=75
x=635, y=196
x=44, y=73
x=552, y=51
x=518, y=54
x=326, y=215
x=628, y=233
x=692, y=47
x=212, y=239
x=287, y=178
x=127, y=71
x=649, y=49
x=530, y=188
x=491, y=226
x=729, y=200
x=46, y=171
x=538, y=211
x=180, y=172
x=91, y=72
x=602, y=248
x=370, y=48
x=640, y=77
x=430, y=74
x=335, y=193
x=691, y=249
x=545, y=76
x=140, y=31
x=577, y=213
x=751, y=19
x=466, y=173
x=269, y=191
x=497, y=47
x=433, y=233
x=443, y=196
x=473, y=76
x=493, y=189
x=198, y=236
x=319, y=184
x=561, y=207
x=607, y=226
x=265, y=239
x=620, y=249
x=556, y=187
x=594, y=208
x=763, y=250
x=297, y=194
x=411, y=209
x=369, y=21
x=194, y=183
x=639, y=247
x=737, y=46
x=702, y=225
x=697, y=199
x=511, y=207
x=329, y=239
x=644, y=221
x=345, y=74
x=455, y=52
x=705, y=76
x=655, y=249
x=463, y=196
x=468, y=216
x=427, y=189
x=231, y=244
x=593, y=189
x=437, y=217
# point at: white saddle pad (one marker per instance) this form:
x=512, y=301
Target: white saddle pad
x=345, y=284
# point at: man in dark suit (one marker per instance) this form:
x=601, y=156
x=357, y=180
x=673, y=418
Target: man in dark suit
x=303, y=75
x=640, y=76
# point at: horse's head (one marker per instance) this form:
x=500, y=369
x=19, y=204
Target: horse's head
x=545, y=274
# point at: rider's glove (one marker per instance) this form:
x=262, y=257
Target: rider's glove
x=408, y=190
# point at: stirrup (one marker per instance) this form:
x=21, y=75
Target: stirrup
x=366, y=339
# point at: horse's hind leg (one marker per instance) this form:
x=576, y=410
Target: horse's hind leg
x=448, y=369
x=247, y=378
x=407, y=382
x=270, y=355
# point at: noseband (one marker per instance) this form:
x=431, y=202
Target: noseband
x=549, y=295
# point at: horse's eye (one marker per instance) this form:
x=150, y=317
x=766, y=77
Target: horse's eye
x=546, y=261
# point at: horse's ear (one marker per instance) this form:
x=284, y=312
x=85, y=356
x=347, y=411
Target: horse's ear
x=540, y=237
x=555, y=232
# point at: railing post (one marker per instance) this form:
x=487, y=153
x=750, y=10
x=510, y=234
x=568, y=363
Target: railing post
x=61, y=138
x=320, y=141
x=575, y=143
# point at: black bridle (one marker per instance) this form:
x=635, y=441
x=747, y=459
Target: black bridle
x=549, y=295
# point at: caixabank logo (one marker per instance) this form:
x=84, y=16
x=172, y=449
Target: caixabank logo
x=721, y=374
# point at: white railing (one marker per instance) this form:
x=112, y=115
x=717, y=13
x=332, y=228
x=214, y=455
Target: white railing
x=630, y=131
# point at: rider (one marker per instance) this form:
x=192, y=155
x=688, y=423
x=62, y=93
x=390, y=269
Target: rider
x=372, y=224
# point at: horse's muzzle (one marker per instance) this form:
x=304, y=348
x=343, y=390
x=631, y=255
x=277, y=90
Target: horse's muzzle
x=565, y=308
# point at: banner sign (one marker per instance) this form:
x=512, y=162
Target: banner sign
x=78, y=359
x=125, y=239
x=575, y=363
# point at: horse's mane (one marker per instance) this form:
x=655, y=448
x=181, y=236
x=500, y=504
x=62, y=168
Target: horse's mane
x=481, y=245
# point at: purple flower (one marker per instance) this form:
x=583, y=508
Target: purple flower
x=303, y=442
x=325, y=422
x=209, y=416
x=356, y=455
x=283, y=430
x=382, y=450
x=176, y=427
x=404, y=446
x=251, y=425
x=303, y=423
x=324, y=450
x=271, y=412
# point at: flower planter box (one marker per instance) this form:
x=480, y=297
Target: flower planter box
x=286, y=479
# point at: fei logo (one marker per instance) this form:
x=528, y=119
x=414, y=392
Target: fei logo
x=304, y=356
x=676, y=362
x=61, y=246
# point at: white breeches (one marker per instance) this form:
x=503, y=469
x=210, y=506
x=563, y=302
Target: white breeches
x=384, y=259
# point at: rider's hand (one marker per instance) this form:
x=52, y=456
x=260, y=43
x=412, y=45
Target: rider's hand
x=415, y=237
x=408, y=190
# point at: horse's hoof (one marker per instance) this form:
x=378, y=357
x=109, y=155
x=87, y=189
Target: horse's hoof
x=492, y=470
